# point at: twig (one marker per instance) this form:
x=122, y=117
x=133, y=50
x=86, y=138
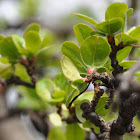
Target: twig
x=17, y=81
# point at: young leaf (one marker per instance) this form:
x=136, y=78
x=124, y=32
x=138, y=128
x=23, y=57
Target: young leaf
x=135, y=33
x=70, y=96
x=89, y=19
x=9, y=50
x=74, y=132
x=79, y=84
x=69, y=69
x=82, y=31
x=33, y=41
x=100, y=107
x=21, y=72
x=115, y=10
x=56, y=133
x=60, y=81
x=6, y=70
x=110, y=26
x=95, y=51
x=127, y=39
x=44, y=88
x=32, y=27
x=127, y=64
x=88, y=124
x=103, y=69
x=79, y=112
x=129, y=12
x=123, y=53
x=72, y=51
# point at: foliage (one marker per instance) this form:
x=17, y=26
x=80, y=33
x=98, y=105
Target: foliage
x=91, y=55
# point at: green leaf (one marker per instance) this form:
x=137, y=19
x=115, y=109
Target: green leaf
x=79, y=112
x=6, y=70
x=57, y=118
x=31, y=103
x=32, y=27
x=19, y=42
x=123, y=53
x=9, y=50
x=129, y=12
x=88, y=124
x=69, y=69
x=79, y=84
x=110, y=26
x=44, y=89
x=21, y=72
x=82, y=31
x=95, y=51
x=89, y=19
x=33, y=41
x=109, y=117
x=72, y=51
x=85, y=96
x=74, y=132
x=126, y=39
x=56, y=133
x=103, y=69
x=135, y=32
x=100, y=107
x=115, y=10
x=127, y=64
x=60, y=81
x=59, y=94
x=70, y=97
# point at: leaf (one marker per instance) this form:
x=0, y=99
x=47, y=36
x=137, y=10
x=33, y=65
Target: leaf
x=9, y=50
x=85, y=96
x=88, y=124
x=31, y=103
x=127, y=64
x=126, y=39
x=123, y=53
x=70, y=97
x=82, y=31
x=103, y=69
x=18, y=41
x=100, y=107
x=56, y=133
x=79, y=84
x=69, y=69
x=44, y=88
x=135, y=32
x=74, y=132
x=72, y=51
x=89, y=19
x=109, y=117
x=95, y=51
x=60, y=81
x=79, y=112
x=110, y=26
x=33, y=41
x=21, y=72
x=57, y=118
x=129, y=12
x=32, y=27
x=116, y=9
x=6, y=70
x=59, y=94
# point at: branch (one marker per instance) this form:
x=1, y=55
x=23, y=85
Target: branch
x=114, y=62
x=17, y=81
x=97, y=120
